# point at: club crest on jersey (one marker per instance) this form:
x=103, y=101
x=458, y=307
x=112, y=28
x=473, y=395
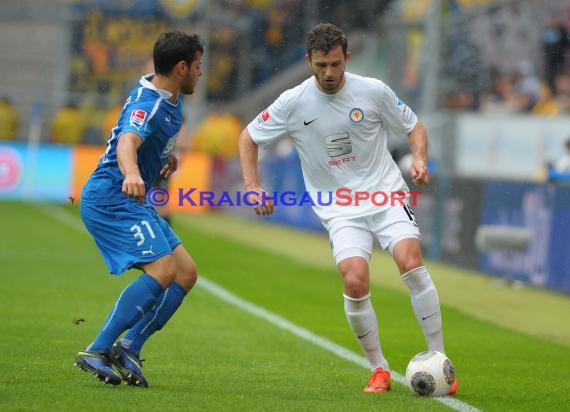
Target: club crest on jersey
x=137, y=118
x=356, y=115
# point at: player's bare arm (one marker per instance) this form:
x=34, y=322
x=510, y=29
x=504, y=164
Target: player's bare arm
x=133, y=184
x=248, y=152
x=418, y=141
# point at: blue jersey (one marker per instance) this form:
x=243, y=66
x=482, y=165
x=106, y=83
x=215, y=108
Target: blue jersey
x=148, y=113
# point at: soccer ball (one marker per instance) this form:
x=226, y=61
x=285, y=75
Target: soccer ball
x=430, y=374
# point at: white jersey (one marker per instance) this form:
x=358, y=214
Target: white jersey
x=341, y=140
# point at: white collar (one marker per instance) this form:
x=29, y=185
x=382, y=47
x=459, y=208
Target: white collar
x=145, y=81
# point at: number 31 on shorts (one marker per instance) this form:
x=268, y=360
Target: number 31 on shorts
x=138, y=233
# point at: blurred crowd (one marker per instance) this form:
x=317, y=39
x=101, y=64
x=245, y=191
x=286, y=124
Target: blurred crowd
x=540, y=87
x=253, y=40
x=249, y=41
x=9, y=120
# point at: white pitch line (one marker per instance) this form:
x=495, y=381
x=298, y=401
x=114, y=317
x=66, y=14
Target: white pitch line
x=223, y=294
x=340, y=351
x=63, y=216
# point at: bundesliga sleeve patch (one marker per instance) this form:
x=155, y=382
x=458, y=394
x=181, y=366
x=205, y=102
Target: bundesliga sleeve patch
x=402, y=107
x=263, y=117
x=137, y=118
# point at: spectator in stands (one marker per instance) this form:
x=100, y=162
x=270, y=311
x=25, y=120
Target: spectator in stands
x=282, y=33
x=563, y=164
x=497, y=99
x=217, y=135
x=526, y=88
x=563, y=92
x=547, y=104
x=68, y=125
x=9, y=120
x=230, y=37
x=515, y=91
x=555, y=43
x=460, y=99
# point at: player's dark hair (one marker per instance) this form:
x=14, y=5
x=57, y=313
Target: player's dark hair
x=325, y=37
x=173, y=47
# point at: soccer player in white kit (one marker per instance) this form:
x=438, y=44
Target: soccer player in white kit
x=339, y=123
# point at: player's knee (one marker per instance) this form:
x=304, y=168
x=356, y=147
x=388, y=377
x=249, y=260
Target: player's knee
x=355, y=277
x=169, y=272
x=187, y=276
x=409, y=265
x=163, y=270
x=410, y=260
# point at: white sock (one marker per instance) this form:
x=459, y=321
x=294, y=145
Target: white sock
x=362, y=320
x=425, y=302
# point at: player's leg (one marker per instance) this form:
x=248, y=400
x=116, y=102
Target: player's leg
x=126, y=352
x=400, y=235
x=158, y=265
x=127, y=359
x=423, y=293
x=352, y=244
x=397, y=231
x=118, y=232
x=135, y=300
x=169, y=301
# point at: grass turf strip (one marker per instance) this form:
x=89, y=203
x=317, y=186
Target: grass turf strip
x=213, y=357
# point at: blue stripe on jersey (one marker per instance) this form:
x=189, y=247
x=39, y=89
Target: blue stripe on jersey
x=148, y=113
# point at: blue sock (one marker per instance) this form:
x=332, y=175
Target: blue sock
x=155, y=319
x=135, y=300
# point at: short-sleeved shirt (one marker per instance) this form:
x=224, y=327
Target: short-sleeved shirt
x=127, y=233
x=341, y=139
x=148, y=113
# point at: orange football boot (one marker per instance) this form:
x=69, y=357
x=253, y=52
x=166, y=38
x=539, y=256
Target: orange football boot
x=380, y=381
x=453, y=388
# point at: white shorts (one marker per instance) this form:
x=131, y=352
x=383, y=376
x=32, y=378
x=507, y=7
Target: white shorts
x=355, y=237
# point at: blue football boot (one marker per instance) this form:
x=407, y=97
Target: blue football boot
x=99, y=364
x=129, y=365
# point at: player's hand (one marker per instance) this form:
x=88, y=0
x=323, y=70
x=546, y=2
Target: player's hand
x=170, y=167
x=133, y=187
x=263, y=204
x=419, y=172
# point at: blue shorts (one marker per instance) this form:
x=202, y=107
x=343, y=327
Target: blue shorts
x=128, y=234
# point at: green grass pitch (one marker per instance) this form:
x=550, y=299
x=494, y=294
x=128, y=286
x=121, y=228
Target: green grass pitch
x=213, y=356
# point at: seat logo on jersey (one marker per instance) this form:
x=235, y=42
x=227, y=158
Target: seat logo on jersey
x=137, y=118
x=356, y=115
x=338, y=144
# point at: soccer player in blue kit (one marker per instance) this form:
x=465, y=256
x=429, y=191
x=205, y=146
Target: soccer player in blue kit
x=127, y=229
